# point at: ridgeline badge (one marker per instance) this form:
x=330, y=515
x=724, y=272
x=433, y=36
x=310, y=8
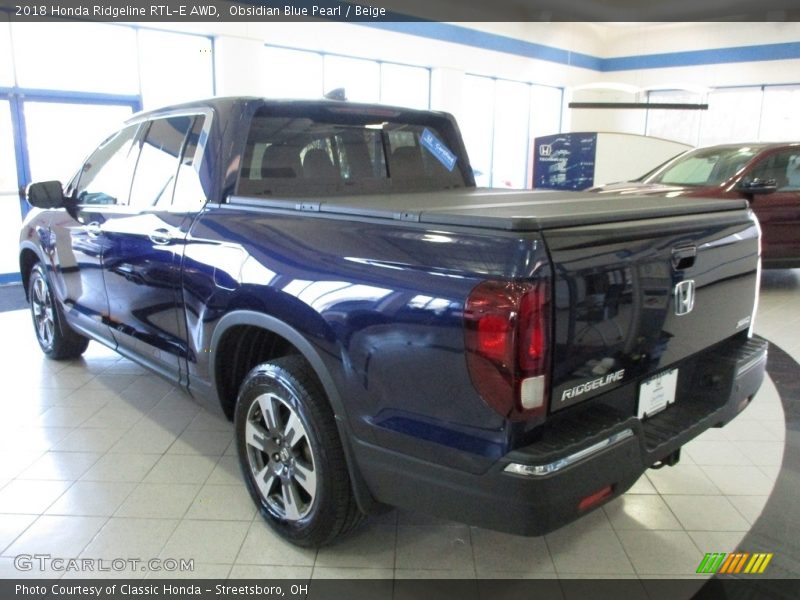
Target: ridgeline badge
x=592, y=385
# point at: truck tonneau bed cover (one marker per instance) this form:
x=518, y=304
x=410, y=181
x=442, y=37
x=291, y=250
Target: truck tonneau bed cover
x=510, y=210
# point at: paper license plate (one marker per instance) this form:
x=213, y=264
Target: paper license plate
x=656, y=393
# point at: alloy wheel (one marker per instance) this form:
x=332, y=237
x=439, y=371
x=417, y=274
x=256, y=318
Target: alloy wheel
x=280, y=457
x=42, y=307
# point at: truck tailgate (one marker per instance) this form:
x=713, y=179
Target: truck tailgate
x=624, y=309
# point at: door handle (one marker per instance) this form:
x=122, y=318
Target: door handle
x=160, y=237
x=93, y=229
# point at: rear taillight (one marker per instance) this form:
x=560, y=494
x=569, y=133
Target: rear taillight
x=507, y=342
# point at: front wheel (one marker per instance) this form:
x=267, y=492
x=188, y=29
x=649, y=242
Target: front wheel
x=56, y=338
x=291, y=455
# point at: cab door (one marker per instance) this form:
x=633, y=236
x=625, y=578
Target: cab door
x=101, y=188
x=779, y=211
x=144, y=245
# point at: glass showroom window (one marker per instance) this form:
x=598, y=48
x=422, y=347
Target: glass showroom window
x=476, y=125
x=405, y=86
x=10, y=216
x=779, y=120
x=545, y=116
x=174, y=68
x=6, y=68
x=677, y=125
x=510, y=155
x=733, y=116
x=292, y=73
x=360, y=78
x=85, y=57
x=61, y=135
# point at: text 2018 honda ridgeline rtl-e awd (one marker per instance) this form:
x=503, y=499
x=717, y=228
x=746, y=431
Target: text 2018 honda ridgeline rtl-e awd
x=384, y=333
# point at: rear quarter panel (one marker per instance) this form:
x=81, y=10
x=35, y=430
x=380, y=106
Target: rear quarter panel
x=380, y=302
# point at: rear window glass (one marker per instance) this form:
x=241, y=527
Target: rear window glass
x=305, y=154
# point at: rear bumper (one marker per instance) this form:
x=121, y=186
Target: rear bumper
x=553, y=477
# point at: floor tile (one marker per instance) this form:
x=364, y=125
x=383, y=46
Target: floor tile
x=13, y=463
x=715, y=453
x=89, y=440
x=207, y=541
x=199, y=571
x=588, y=545
x=146, y=437
x=59, y=416
x=740, y=480
x=140, y=538
x=181, y=469
x=749, y=507
x=446, y=547
x=640, y=512
x=706, y=513
x=91, y=498
x=60, y=536
x=661, y=552
x=223, y=502
x=682, y=479
x=30, y=496
x=226, y=472
x=66, y=466
x=269, y=572
x=208, y=421
x=121, y=467
x=112, y=417
x=642, y=486
x=11, y=526
x=209, y=443
x=357, y=573
x=159, y=501
x=495, y=551
x=369, y=546
x=262, y=546
x=717, y=541
x=765, y=454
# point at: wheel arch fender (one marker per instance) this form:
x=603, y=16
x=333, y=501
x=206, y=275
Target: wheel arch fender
x=364, y=497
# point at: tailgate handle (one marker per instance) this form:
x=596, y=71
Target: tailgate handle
x=683, y=257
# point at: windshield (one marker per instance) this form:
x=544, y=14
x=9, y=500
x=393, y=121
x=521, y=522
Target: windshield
x=704, y=167
x=323, y=153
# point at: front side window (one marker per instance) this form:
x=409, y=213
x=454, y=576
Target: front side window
x=781, y=167
x=704, y=167
x=106, y=176
x=158, y=161
x=302, y=155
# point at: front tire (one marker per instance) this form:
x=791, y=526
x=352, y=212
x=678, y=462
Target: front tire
x=56, y=338
x=291, y=455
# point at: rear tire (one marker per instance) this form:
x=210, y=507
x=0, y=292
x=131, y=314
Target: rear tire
x=56, y=338
x=291, y=455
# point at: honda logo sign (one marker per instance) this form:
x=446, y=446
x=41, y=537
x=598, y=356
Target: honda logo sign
x=684, y=297
x=545, y=150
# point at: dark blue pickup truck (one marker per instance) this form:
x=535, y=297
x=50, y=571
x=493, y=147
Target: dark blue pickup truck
x=383, y=333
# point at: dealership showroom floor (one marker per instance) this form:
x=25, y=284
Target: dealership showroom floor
x=101, y=459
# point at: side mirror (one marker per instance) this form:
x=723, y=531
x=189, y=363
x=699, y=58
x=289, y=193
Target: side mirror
x=47, y=194
x=757, y=186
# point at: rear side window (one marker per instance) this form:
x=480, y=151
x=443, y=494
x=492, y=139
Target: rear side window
x=189, y=194
x=329, y=154
x=106, y=175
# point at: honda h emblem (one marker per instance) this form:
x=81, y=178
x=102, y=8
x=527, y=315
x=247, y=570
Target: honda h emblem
x=545, y=150
x=684, y=297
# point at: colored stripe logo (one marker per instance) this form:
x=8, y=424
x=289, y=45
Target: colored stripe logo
x=736, y=562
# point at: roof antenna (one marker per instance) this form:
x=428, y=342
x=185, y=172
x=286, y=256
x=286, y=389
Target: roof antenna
x=337, y=94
